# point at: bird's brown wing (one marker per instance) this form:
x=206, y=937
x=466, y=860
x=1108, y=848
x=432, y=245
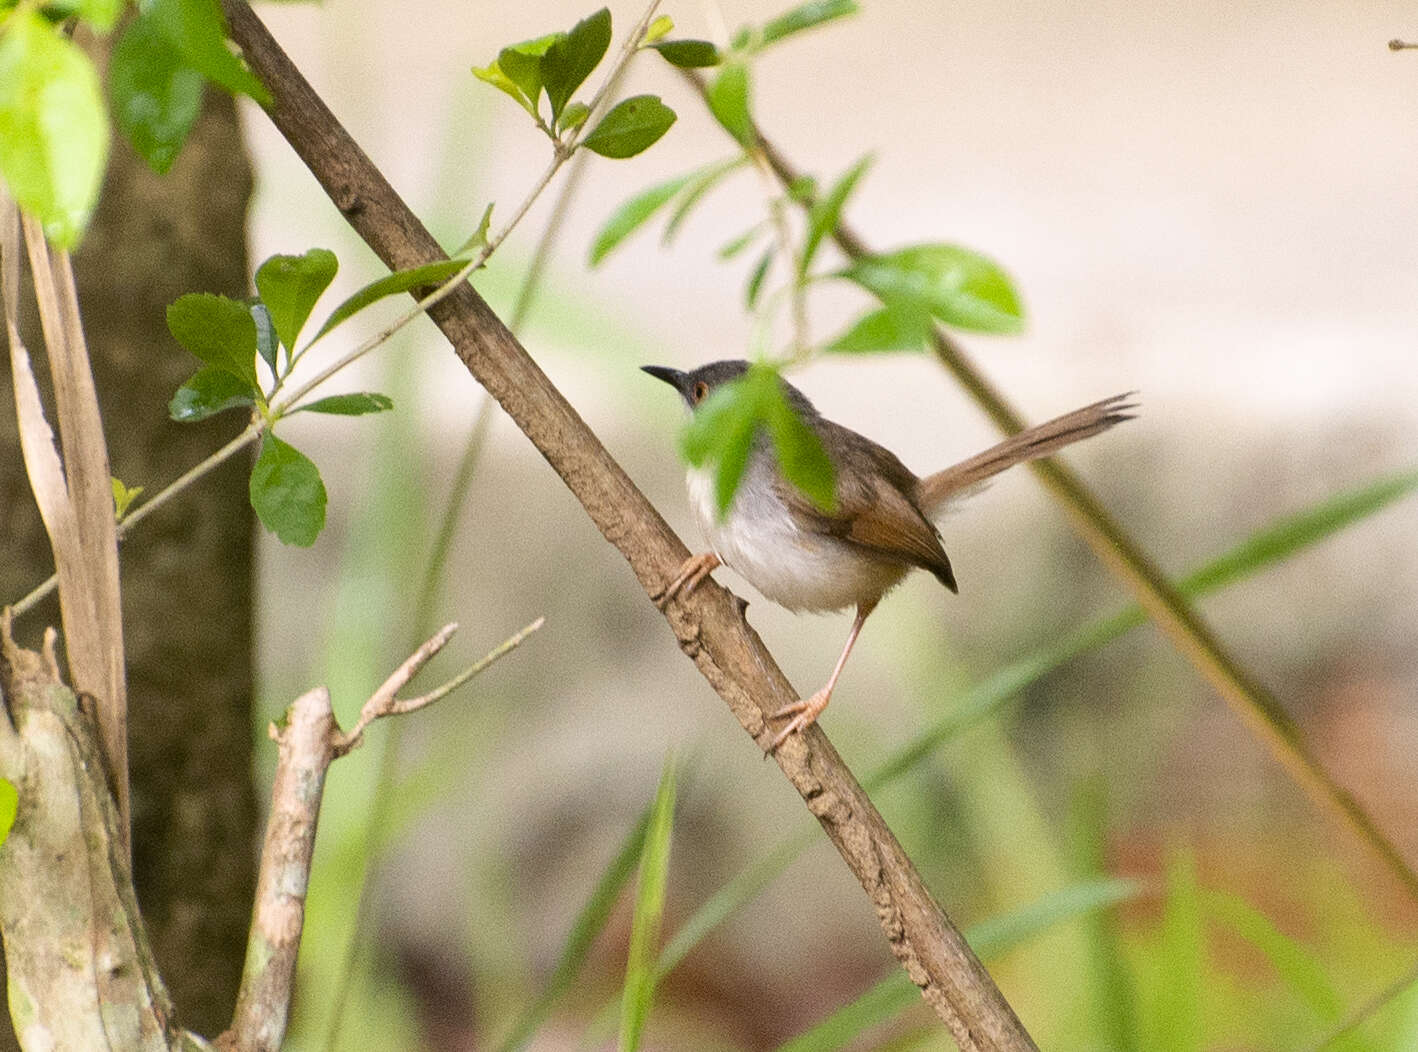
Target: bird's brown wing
x=874, y=511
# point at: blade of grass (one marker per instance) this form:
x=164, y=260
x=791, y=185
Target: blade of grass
x=639, y=990
x=590, y=922
x=990, y=938
x=1181, y=955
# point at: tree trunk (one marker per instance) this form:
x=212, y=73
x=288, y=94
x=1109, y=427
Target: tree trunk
x=187, y=573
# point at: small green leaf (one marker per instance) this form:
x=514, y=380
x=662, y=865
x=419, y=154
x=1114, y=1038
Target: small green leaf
x=704, y=181
x=574, y=116
x=902, y=326
x=721, y=434
x=156, y=96
x=219, y=331
x=1181, y=955
x=633, y=214
x=689, y=54
x=53, y=129
x=287, y=493
x=630, y=127
x=210, y=390
x=810, y=14
x=660, y=28
x=730, y=249
x=198, y=30
x=289, y=287
x=492, y=74
x=430, y=274
x=570, y=60
x=802, y=458
x=478, y=239
x=757, y=276
x=823, y=215
x=960, y=287
x=727, y=95
x=349, y=404
x=803, y=189
x=638, y=993
x=267, y=344
x=123, y=497
x=9, y=807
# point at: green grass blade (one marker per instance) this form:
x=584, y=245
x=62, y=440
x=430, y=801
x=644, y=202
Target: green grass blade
x=639, y=991
x=1181, y=959
x=589, y=924
x=896, y=992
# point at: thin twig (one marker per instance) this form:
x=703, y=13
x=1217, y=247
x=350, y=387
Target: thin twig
x=1356, y=1018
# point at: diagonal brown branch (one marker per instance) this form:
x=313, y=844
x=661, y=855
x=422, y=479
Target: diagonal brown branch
x=709, y=627
x=1260, y=710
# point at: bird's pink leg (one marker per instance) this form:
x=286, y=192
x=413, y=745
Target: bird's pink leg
x=806, y=711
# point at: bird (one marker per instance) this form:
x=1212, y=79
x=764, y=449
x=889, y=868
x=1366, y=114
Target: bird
x=880, y=527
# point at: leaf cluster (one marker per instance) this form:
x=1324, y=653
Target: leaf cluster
x=54, y=137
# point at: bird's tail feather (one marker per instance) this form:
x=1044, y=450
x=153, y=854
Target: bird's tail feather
x=934, y=491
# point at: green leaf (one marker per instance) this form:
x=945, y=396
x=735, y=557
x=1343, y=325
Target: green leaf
x=210, y=390
x=101, y=14
x=901, y=326
x=631, y=215
x=639, y=991
x=574, y=116
x=803, y=189
x=727, y=95
x=630, y=127
x=570, y=60
x=427, y=275
x=53, y=129
x=349, y=404
x=478, y=239
x=289, y=287
x=660, y=28
x=1182, y=959
x=757, y=276
x=706, y=179
x=730, y=249
x=589, y=924
x=9, y=807
x=824, y=214
x=960, y=287
x=267, y=345
x=801, y=456
x=156, y=96
x=522, y=64
x=724, y=428
x=287, y=493
x=813, y=13
x=198, y=30
x=219, y=331
x=1297, y=965
x=688, y=54
x=492, y=74
x=123, y=498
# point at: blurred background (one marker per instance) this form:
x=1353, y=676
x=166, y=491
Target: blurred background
x=1211, y=204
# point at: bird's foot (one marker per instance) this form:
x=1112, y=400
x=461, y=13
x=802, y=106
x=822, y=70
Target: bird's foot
x=804, y=714
x=691, y=573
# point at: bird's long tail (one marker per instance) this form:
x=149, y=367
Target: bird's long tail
x=934, y=491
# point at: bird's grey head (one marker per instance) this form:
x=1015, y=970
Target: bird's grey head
x=698, y=384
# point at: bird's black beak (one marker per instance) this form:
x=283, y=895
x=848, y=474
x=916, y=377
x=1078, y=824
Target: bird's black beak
x=673, y=377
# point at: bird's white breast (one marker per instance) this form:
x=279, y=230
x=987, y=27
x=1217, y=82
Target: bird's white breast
x=796, y=569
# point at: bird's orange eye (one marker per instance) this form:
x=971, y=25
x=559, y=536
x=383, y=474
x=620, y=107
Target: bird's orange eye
x=700, y=390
